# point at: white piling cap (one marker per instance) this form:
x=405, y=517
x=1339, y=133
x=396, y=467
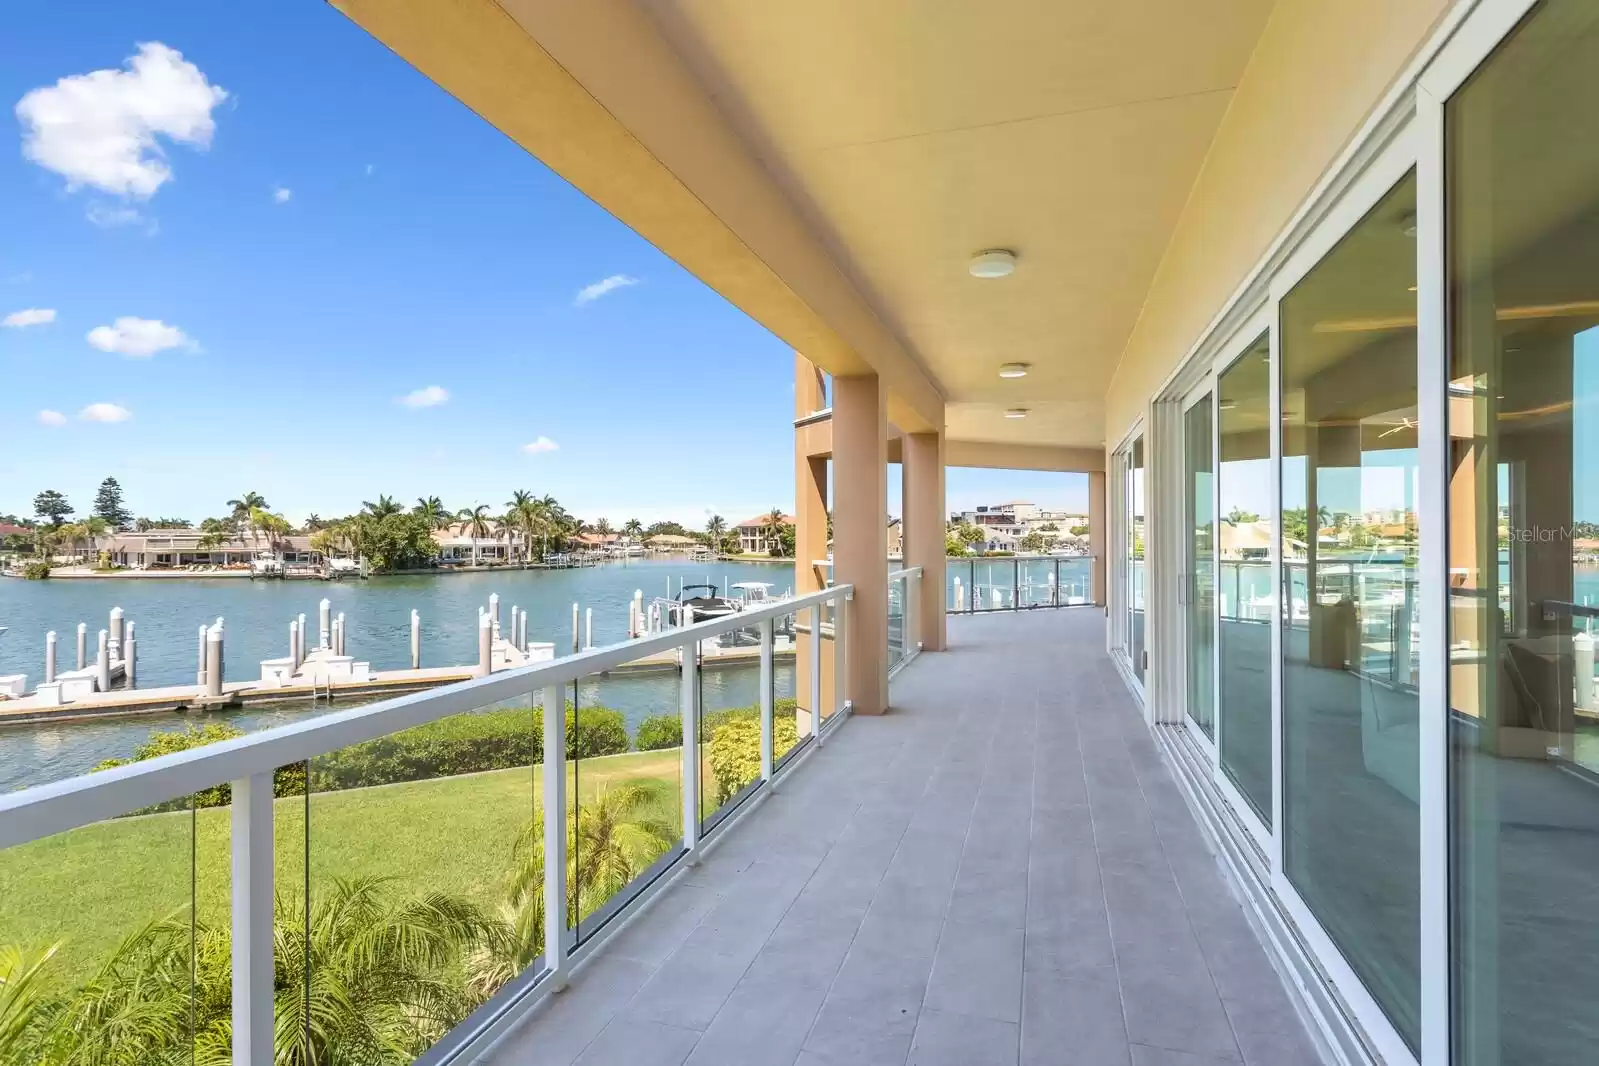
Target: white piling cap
x=116, y=612
x=485, y=622
x=83, y=627
x=1582, y=639
x=50, y=635
x=325, y=603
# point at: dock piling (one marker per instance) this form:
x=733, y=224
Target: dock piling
x=416, y=640
x=50, y=657
x=494, y=610
x=83, y=644
x=115, y=637
x=294, y=645
x=588, y=627
x=200, y=673
x=637, y=618
x=485, y=645
x=574, y=629
x=521, y=630
x=213, y=661
x=102, y=662
x=301, y=658
x=324, y=618
x=130, y=660
x=339, y=630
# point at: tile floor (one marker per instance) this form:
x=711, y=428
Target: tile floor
x=1000, y=871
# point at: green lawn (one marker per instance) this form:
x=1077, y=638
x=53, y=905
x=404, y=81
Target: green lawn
x=90, y=887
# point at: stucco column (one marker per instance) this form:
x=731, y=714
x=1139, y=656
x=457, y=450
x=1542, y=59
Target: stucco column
x=860, y=517
x=1096, y=534
x=922, y=475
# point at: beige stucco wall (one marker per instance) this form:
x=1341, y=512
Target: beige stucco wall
x=1320, y=68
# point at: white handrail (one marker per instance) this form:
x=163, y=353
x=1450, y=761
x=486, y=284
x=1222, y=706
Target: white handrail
x=45, y=810
x=909, y=571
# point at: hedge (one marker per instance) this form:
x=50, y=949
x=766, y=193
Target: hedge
x=467, y=743
x=500, y=739
x=660, y=731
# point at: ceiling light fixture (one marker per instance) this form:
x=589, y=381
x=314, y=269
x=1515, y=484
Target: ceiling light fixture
x=1014, y=370
x=1016, y=412
x=994, y=263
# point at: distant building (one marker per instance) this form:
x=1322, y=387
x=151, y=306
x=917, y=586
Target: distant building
x=753, y=534
x=162, y=549
x=1019, y=518
x=457, y=547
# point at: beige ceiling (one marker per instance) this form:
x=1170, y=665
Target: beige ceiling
x=913, y=133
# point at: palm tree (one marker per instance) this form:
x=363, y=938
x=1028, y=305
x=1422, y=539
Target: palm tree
x=633, y=528
x=313, y=522
x=717, y=528
x=613, y=841
x=385, y=506
x=478, y=525
x=241, y=507
x=602, y=526
x=432, y=509
x=775, y=521
x=525, y=515
x=22, y=998
x=379, y=972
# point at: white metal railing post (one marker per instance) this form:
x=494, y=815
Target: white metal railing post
x=556, y=936
x=816, y=671
x=691, y=751
x=913, y=611
x=768, y=704
x=253, y=1002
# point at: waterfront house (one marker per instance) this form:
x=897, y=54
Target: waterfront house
x=457, y=546
x=167, y=549
x=754, y=534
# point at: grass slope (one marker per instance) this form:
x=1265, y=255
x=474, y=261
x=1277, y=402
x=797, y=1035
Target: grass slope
x=90, y=887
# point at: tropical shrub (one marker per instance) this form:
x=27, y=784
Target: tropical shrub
x=287, y=781
x=659, y=731
x=597, y=731
x=36, y=570
x=736, y=751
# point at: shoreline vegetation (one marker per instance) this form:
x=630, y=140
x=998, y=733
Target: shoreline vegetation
x=424, y=860
x=384, y=536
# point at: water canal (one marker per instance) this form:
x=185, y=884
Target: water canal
x=377, y=618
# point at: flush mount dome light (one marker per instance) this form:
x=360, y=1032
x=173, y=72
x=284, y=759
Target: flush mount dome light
x=994, y=263
x=1016, y=412
x=1014, y=370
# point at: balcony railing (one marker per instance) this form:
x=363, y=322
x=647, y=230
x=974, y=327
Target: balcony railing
x=904, y=614
x=400, y=881
x=1018, y=583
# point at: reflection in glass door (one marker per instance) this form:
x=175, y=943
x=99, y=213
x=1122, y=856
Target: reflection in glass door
x=1244, y=587
x=1199, y=569
x=1135, y=558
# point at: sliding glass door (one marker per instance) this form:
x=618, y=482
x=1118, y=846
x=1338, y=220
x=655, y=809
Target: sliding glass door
x=1135, y=558
x=1199, y=570
x=1244, y=587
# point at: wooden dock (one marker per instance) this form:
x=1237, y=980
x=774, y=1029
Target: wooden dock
x=381, y=685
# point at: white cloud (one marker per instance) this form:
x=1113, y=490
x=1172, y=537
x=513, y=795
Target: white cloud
x=590, y=293
x=107, y=216
x=280, y=195
x=430, y=396
x=52, y=418
x=138, y=338
x=369, y=169
x=105, y=412
x=33, y=316
x=100, y=129
x=541, y=446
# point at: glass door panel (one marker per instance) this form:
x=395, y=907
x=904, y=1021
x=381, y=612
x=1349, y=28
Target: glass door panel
x=1135, y=558
x=1243, y=637
x=1199, y=568
x=1350, y=705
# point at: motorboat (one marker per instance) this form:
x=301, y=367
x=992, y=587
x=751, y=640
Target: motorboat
x=704, y=602
x=265, y=564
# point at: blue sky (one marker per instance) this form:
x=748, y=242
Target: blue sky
x=255, y=252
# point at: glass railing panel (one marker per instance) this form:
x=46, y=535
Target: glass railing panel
x=791, y=674
x=994, y=584
x=1074, y=580
x=99, y=938
x=624, y=746
x=424, y=877
x=896, y=622
x=730, y=722
x=958, y=585
x=1035, y=582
